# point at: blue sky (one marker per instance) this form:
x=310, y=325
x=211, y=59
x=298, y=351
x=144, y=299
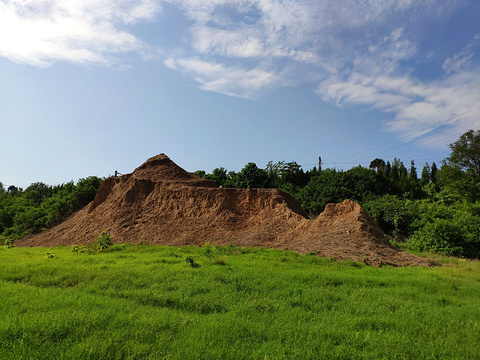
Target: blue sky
x=88, y=87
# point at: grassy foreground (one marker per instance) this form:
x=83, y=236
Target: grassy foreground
x=147, y=302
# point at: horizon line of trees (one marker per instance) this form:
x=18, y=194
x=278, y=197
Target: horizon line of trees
x=40, y=206
x=436, y=211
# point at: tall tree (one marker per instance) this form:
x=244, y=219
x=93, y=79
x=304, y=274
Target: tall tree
x=433, y=172
x=466, y=152
x=387, y=169
x=377, y=164
x=412, y=174
x=426, y=174
x=251, y=177
x=402, y=171
x=394, y=172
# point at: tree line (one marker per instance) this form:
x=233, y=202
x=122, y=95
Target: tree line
x=39, y=206
x=435, y=209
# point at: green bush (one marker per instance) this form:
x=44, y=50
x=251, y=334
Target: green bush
x=394, y=216
x=104, y=241
x=332, y=186
x=442, y=236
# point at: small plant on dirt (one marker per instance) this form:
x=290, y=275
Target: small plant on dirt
x=104, y=241
x=191, y=261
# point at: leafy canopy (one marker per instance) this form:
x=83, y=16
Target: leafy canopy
x=466, y=152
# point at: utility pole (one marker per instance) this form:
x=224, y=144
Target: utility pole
x=319, y=164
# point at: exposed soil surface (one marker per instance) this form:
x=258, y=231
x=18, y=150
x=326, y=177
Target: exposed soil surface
x=160, y=203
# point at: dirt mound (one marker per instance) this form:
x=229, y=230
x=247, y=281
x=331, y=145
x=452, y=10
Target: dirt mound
x=161, y=168
x=161, y=203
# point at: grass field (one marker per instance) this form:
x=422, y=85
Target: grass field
x=148, y=302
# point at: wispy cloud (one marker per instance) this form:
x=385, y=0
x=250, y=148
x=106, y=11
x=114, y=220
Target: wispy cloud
x=378, y=79
x=352, y=52
x=219, y=78
x=358, y=53
x=41, y=32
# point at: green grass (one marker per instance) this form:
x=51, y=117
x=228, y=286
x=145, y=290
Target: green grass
x=147, y=302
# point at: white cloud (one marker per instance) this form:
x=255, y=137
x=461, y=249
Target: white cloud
x=462, y=60
x=354, y=52
x=358, y=51
x=417, y=108
x=40, y=32
x=227, y=43
x=225, y=80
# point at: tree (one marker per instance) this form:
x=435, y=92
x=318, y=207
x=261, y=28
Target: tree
x=200, y=173
x=412, y=175
x=387, y=169
x=377, y=164
x=394, y=171
x=402, y=171
x=426, y=174
x=13, y=190
x=466, y=152
x=251, y=177
x=218, y=175
x=456, y=184
x=282, y=173
x=433, y=172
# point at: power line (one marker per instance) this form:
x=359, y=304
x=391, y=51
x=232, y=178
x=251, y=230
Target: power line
x=402, y=152
x=411, y=133
x=405, y=144
x=421, y=138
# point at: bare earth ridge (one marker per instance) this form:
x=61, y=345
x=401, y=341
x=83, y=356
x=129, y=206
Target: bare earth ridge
x=161, y=203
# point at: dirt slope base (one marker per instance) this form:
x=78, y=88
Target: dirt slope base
x=160, y=203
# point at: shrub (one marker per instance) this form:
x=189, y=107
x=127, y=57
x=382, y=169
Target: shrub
x=393, y=215
x=104, y=241
x=442, y=236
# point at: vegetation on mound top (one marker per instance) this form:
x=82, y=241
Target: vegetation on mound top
x=147, y=302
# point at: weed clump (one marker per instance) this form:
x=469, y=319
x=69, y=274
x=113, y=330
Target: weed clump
x=191, y=261
x=80, y=249
x=208, y=250
x=220, y=260
x=8, y=243
x=212, y=253
x=103, y=242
